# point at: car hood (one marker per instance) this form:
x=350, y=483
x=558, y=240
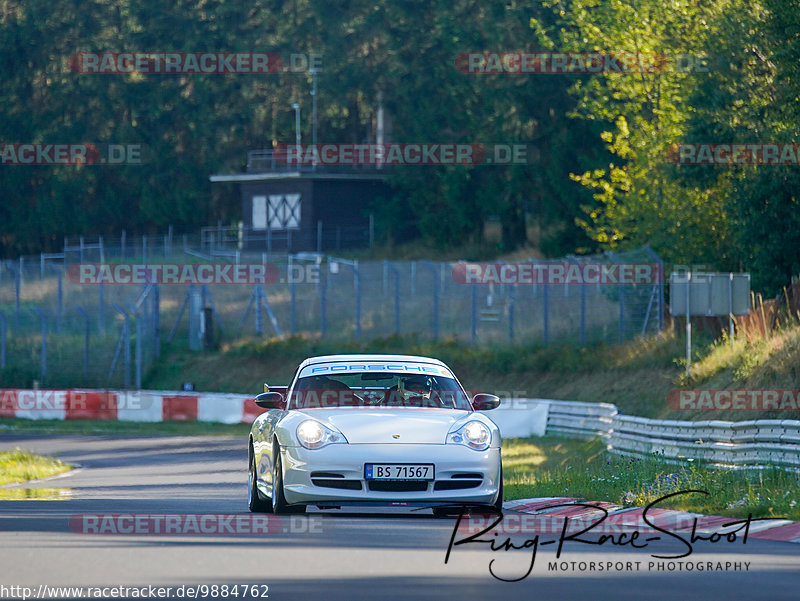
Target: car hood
x=369, y=426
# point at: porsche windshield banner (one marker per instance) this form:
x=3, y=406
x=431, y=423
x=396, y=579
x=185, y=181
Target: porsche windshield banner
x=373, y=366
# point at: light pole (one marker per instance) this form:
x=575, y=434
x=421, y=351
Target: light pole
x=314, y=113
x=296, y=108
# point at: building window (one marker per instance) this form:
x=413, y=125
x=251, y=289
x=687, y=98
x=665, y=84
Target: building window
x=259, y=212
x=283, y=211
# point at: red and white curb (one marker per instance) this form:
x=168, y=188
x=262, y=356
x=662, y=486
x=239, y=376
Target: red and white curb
x=547, y=514
x=128, y=405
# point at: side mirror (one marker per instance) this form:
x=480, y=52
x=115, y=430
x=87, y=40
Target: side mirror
x=485, y=402
x=270, y=400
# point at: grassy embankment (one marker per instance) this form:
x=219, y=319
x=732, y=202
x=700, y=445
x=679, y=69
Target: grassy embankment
x=636, y=376
x=552, y=466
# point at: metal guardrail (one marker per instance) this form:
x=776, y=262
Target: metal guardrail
x=746, y=444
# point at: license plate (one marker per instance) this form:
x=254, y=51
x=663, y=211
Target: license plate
x=398, y=471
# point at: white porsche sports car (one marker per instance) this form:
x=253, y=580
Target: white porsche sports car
x=374, y=429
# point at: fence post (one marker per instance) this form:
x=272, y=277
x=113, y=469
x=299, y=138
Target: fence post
x=126, y=336
x=81, y=247
x=85, y=342
x=435, y=291
x=60, y=311
x=144, y=248
x=396, y=300
x=357, y=275
x=323, y=281
x=583, y=314
x=293, y=305
x=43, y=317
x=138, y=352
x=157, y=320
x=102, y=250
x=319, y=235
x=122, y=246
x=474, y=313
x=660, y=309
x=101, y=313
x=17, y=286
x=511, y=312
x=621, y=312
x=371, y=230
x=258, y=311
x=41, y=266
x=2, y=340
x=546, y=308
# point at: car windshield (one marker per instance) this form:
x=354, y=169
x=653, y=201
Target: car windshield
x=375, y=389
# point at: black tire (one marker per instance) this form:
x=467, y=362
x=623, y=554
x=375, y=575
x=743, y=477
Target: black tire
x=279, y=504
x=498, y=504
x=496, y=507
x=255, y=500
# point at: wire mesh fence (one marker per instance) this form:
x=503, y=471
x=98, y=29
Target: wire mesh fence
x=59, y=329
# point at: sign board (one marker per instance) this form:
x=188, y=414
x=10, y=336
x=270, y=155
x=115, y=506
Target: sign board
x=710, y=294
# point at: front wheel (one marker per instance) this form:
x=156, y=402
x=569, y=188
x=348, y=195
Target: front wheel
x=279, y=504
x=255, y=501
x=498, y=504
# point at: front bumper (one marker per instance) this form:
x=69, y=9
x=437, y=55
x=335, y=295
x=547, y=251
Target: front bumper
x=462, y=475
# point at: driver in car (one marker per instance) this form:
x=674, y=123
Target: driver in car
x=414, y=391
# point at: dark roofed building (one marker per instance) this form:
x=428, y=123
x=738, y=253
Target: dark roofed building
x=306, y=207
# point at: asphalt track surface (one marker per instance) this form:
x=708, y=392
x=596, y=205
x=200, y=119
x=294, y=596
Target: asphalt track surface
x=347, y=555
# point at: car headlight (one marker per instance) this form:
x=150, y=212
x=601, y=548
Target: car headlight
x=314, y=435
x=476, y=435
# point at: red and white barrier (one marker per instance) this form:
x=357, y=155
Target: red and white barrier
x=128, y=405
